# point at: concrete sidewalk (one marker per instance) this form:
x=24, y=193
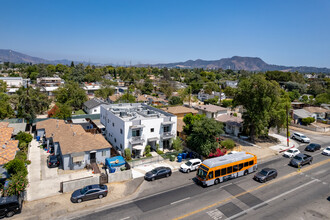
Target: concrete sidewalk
x=283, y=145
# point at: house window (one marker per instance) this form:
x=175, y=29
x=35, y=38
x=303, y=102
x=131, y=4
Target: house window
x=152, y=130
x=104, y=153
x=121, y=147
x=115, y=140
x=95, y=110
x=136, y=133
x=121, y=131
x=113, y=124
x=166, y=128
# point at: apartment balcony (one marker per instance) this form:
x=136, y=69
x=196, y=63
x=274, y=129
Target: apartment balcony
x=137, y=140
x=168, y=135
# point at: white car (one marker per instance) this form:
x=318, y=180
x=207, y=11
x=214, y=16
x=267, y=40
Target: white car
x=300, y=137
x=326, y=151
x=291, y=152
x=191, y=165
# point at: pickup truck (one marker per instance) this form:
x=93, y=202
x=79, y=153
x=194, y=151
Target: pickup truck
x=301, y=159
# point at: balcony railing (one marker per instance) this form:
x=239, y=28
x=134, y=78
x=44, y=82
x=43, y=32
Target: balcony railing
x=168, y=134
x=136, y=140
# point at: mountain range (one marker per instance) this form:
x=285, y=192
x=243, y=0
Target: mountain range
x=234, y=63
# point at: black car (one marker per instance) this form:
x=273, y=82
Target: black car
x=265, y=175
x=10, y=205
x=53, y=161
x=89, y=192
x=313, y=147
x=157, y=173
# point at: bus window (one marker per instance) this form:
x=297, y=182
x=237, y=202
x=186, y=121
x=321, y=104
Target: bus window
x=217, y=173
x=251, y=162
x=235, y=168
x=246, y=164
x=223, y=171
x=201, y=173
x=210, y=175
x=240, y=166
x=229, y=169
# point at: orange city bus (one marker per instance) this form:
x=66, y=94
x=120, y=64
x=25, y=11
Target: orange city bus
x=219, y=169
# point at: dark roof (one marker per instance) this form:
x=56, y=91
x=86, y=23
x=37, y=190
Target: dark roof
x=93, y=103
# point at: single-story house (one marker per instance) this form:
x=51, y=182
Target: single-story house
x=8, y=147
x=232, y=125
x=297, y=105
x=76, y=147
x=317, y=112
x=93, y=106
x=211, y=111
x=113, y=98
x=299, y=114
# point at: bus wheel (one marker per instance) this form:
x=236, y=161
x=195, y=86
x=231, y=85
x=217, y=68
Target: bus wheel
x=245, y=172
x=216, y=181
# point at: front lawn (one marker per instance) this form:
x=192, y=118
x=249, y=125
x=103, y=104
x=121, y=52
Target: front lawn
x=79, y=112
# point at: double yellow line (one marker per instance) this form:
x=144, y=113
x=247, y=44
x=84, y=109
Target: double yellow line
x=254, y=189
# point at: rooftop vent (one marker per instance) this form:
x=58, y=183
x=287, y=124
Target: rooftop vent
x=4, y=146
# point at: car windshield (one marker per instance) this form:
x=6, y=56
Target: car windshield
x=297, y=158
x=84, y=190
x=328, y=148
x=154, y=171
x=188, y=163
x=290, y=151
x=303, y=136
x=201, y=173
x=263, y=172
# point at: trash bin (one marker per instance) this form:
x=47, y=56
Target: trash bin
x=190, y=154
x=172, y=158
x=180, y=154
x=38, y=138
x=179, y=159
x=112, y=169
x=184, y=155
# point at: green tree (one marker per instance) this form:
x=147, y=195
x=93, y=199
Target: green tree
x=323, y=98
x=203, y=136
x=71, y=94
x=189, y=120
x=212, y=101
x=127, y=98
x=258, y=96
x=175, y=100
x=63, y=111
x=294, y=95
x=227, y=103
x=105, y=92
x=17, y=184
x=147, y=87
x=6, y=110
x=228, y=144
x=16, y=166
x=3, y=86
x=177, y=144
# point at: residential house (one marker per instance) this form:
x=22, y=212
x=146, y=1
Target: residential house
x=232, y=84
x=91, y=88
x=135, y=125
x=49, y=84
x=180, y=112
x=211, y=111
x=14, y=83
x=317, y=112
x=142, y=99
x=113, y=98
x=205, y=96
x=232, y=125
x=93, y=106
x=73, y=144
x=151, y=100
x=297, y=105
x=8, y=147
x=299, y=114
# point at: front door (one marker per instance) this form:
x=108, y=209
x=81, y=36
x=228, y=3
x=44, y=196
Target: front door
x=93, y=157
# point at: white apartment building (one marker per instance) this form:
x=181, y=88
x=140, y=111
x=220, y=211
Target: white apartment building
x=136, y=125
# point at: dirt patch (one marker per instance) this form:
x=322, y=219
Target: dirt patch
x=261, y=152
x=266, y=141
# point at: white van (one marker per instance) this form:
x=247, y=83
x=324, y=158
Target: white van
x=191, y=165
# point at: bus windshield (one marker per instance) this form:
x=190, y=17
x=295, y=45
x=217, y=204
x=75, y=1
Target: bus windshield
x=201, y=173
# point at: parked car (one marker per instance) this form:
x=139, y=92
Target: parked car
x=10, y=205
x=313, y=147
x=190, y=165
x=326, y=151
x=300, y=137
x=265, y=175
x=89, y=192
x=301, y=159
x=291, y=153
x=53, y=161
x=157, y=173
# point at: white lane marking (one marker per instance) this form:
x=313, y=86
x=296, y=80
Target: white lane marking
x=125, y=218
x=215, y=214
x=181, y=200
x=272, y=199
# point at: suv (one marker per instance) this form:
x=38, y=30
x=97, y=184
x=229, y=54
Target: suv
x=313, y=147
x=10, y=205
x=300, y=137
x=53, y=161
x=291, y=153
x=191, y=165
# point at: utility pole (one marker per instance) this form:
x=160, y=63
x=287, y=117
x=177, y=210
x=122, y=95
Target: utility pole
x=189, y=96
x=287, y=126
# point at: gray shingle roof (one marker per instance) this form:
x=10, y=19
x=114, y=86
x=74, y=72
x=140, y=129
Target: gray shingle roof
x=93, y=103
x=301, y=113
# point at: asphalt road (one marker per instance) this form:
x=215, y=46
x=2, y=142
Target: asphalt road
x=292, y=195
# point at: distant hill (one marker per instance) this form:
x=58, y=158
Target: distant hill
x=16, y=57
x=240, y=63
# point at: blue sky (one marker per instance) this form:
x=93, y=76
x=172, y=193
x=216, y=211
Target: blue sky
x=283, y=32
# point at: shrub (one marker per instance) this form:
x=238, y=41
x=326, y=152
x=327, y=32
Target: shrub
x=21, y=155
x=308, y=120
x=122, y=168
x=227, y=103
x=23, y=146
x=17, y=184
x=160, y=152
x=128, y=154
x=177, y=144
x=24, y=137
x=147, y=149
x=148, y=155
x=218, y=153
x=16, y=166
x=235, y=114
x=228, y=144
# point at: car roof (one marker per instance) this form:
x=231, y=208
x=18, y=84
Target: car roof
x=298, y=133
x=268, y=169
x=195, y=160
